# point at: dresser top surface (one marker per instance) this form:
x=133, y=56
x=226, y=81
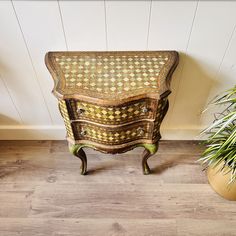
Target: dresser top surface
x=111, y=76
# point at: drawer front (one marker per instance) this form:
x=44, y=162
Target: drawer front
x=112, y=136
x=142, y=109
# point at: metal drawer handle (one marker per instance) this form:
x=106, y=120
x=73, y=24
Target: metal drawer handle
x=145, y=109
x=80, y=111
x=83, y=132
x=140, y=131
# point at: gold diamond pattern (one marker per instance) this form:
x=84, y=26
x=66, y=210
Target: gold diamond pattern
x=104, y=135
x=112, y=137
x=110, y=75
x=111, y=115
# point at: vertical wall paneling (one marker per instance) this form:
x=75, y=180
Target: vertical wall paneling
x=227, y=71
x=62, y=24
x=127, y=24
x=204, y=32
x=8, y=112
x=17, y=71
x=42, y=18
x=170, y=24
x=170, y=29
x=84, y=23
x=212, y=29
x=225, y=76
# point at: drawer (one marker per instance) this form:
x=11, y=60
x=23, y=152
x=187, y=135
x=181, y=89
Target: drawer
x=112, y=135
x=111, y=115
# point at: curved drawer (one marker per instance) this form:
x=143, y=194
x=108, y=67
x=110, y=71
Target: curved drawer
x=112, y=115
x=112, y=135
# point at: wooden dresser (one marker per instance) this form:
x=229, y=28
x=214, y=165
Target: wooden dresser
x=112, y=101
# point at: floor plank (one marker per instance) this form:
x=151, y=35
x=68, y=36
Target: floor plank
x=43, y=193
x=87, y=227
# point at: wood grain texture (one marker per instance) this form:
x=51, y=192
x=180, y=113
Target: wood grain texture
x=43, y=193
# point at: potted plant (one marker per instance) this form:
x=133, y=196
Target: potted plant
x=219, y=157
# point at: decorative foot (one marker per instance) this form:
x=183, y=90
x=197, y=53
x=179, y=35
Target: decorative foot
x=146, y=155
x=77, y=151
x=150, y=149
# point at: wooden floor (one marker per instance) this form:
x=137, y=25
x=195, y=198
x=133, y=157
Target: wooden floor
x=42, y=193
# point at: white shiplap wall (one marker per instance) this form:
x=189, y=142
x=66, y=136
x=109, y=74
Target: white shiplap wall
x=202, y=31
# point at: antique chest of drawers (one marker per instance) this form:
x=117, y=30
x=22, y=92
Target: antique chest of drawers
x=112, y=101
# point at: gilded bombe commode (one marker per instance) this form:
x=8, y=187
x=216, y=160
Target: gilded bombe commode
x=112, y=101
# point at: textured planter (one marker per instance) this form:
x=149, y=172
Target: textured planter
x=219, y=182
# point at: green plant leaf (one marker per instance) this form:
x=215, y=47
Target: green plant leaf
x=221, y=142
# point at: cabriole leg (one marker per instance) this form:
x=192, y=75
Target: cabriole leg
x=150, y=149
x=77, y=151
x=146, y=155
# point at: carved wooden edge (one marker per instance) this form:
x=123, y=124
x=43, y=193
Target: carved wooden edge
x=86, y=98
x=116, y=126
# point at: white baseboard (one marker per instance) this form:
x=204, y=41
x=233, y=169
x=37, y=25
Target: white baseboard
x=58, y=133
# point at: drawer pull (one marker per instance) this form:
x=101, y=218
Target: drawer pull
x=83, y=132
x=80, y=111
x=140, y=131
x=144, y=109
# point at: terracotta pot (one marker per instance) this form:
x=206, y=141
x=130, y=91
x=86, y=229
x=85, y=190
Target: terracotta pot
x=219, y=182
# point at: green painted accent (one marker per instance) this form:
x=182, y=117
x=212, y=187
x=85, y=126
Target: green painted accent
x=152, y=148
x=74, y=148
